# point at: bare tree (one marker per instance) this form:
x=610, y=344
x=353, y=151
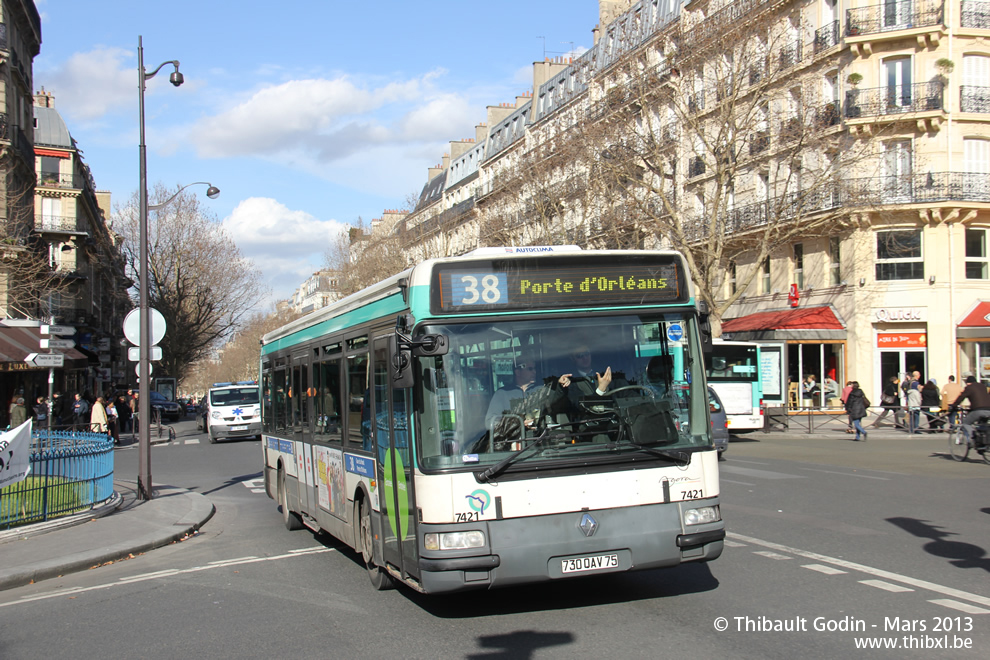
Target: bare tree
x=362, y=257
x=711, y=142
x=198, y=279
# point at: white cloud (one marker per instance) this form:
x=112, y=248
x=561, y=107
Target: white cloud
x=89, y=85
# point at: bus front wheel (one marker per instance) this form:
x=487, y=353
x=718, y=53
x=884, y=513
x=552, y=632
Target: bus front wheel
x=380, y=579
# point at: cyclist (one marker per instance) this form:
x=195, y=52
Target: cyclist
x=979, y=405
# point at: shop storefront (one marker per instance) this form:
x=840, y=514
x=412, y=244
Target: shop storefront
x=901, y=343
x=801, y=342
x=973, y=336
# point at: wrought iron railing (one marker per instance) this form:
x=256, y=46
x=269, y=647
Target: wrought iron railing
x=894, y=15
x=827, y=36
x=974, y=99
x=60, y=223
x=975, y=14
x=895, y=99
x=56, y=180
x=922, y=188
x=70, y=473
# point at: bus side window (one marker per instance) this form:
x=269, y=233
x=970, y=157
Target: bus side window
x=357, y=390
x=328, y=398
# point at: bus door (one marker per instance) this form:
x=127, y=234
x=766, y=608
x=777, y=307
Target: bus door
x=300, y=432
x=392, y=430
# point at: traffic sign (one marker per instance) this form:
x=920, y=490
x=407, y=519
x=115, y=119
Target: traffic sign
x=137, y=369
x=45, y=359
x=132, y=326
x=57, y=330
x=134, y=353
x=57, y=343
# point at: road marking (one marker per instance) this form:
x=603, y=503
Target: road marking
x=962, y=607
x=869, y=570
x=771, y=555
x=254, y=485
x=168, y=573
x=750, y=472
x=734, y=544
x=847, y=474
x=886, y=586
x=194, y=441
x=821, y=568
x=741, y=460
x=730, y=481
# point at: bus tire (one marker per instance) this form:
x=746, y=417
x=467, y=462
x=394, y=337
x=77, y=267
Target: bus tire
x=291, y=521
x=380, y=579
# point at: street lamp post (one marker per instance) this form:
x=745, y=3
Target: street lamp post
x=144, y=317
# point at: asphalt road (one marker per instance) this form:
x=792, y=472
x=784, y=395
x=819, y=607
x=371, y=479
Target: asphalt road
x=839, y=542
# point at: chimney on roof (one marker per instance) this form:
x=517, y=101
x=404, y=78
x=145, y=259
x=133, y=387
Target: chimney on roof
x=44, y=99
x=481, y=132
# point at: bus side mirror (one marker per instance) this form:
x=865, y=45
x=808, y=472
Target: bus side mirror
x=400, y=364
x=705, y=326
x=429, y=345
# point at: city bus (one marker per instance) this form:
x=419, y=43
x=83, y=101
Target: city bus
x=735, y=376
x=392, y=420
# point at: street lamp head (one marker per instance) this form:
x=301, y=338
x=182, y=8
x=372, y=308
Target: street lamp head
x=212, y=192
x=176, y=77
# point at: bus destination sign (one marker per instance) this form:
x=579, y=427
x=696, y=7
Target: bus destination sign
x=530, y=284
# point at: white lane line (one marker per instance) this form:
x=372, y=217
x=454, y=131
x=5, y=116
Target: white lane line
x=159, y=574
x=194, y=441
x=771, y=555
x=886, y=586
x=847, y=474
x=962, y=607
x=730, y=481
x=822, y=568
x=759, y=474
x=221, y=562
x=734, y=544
x=869, y=570
x=741, y=460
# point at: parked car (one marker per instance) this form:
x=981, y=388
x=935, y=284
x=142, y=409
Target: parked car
x=191, y=407
x=720, y=423
x=170, y=410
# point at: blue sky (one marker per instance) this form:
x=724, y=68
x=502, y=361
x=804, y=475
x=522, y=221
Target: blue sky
x=306, y=115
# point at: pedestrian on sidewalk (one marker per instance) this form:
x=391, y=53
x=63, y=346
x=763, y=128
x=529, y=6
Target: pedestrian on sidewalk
x=889, y=402
x=18, y=413
x=41, y=416
x=950, y=393
x=112, y=420
x=930, y=403
x=914, y=405
x=845, y=395
x=123, y=406
x=857, y=405
x=98, y=418
x=80, y=412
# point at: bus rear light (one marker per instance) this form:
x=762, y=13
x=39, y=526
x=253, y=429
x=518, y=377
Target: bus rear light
x=454, y=540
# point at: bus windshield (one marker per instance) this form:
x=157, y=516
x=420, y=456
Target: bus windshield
x=567, y=389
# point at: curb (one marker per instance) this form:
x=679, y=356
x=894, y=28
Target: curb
x=34, y=529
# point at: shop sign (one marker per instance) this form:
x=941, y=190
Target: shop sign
x=902, y=340
x=895, y=314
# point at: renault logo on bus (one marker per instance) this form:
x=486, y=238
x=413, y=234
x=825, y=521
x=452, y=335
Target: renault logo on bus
x=588, y=524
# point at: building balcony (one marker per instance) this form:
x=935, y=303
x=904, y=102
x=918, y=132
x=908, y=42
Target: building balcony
x=927, y=188
x=57, y=224
x=976, y=14
x=56, y=180
x=894, y=15
x=826, y=37
x=974, y=99
x=894, y=100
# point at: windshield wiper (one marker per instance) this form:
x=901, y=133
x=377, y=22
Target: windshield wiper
x=625, y=436
x=486, y=476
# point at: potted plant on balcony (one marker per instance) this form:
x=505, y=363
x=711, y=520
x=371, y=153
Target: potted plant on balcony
x=852, y=95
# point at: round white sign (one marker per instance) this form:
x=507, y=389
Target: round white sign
x=137, y=369
x=132, y=326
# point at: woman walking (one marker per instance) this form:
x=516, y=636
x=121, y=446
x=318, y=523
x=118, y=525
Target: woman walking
x=98, y=418
x=857, y=405
x=889, y=402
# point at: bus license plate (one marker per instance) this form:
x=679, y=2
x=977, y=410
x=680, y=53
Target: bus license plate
x=238, y=428
x=593, y=563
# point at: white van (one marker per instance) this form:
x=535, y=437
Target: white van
x=233, y=410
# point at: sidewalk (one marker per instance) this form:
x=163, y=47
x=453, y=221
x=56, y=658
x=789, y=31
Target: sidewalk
x=119, y=528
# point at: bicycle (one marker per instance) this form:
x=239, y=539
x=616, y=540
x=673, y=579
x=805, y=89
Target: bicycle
x=156, y=421
x=960, y=444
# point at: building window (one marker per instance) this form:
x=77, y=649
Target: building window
x=976, y=254
x=732, y=277
x=834, y=268
x=765, y=280
x=799, y=264
x=899, y=255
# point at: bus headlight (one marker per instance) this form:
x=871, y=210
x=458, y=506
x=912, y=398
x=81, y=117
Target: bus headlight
x=455, y=540
x=701, y=515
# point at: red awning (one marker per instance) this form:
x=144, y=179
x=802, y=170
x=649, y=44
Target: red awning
x=17, y=343
x=979, y=317
x=809, y=318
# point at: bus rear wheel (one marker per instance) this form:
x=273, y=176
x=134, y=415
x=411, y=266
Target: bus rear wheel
x=291, y=521
x=380, y=579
